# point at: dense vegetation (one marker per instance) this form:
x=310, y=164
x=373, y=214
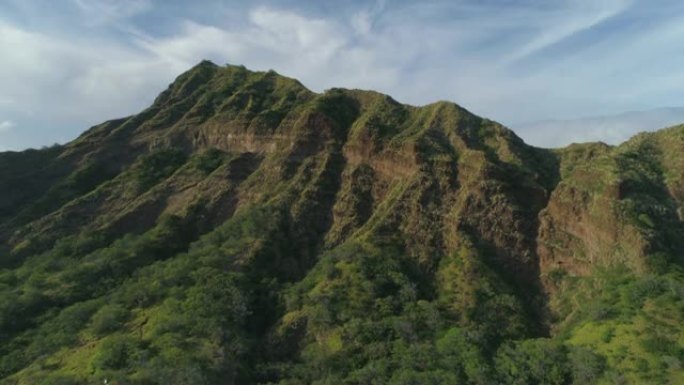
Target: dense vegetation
x=245, y=230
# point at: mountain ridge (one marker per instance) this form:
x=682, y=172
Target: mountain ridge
x=298, y=225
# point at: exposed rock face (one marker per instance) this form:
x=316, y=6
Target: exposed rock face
x=424, y=166
x=461, y=197
x=428, y=174
x=612, y=204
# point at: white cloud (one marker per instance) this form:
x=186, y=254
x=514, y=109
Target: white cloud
x=5, y=126
x=319, y=52
x=56, y=87
x=491, y=59
x=78, y=79
x=612, y=129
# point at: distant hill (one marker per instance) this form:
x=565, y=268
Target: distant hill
x=245, y=230
x=612, y=129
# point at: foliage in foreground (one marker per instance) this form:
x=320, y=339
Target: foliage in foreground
x=364, y=314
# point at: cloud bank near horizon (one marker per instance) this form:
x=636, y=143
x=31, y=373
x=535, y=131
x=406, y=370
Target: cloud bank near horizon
x=71, y=65
x=611, y=129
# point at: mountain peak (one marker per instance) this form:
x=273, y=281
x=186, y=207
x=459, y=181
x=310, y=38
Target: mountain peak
x=205, y=63
x=244, y=229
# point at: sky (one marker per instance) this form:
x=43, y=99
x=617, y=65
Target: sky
x=543, y=67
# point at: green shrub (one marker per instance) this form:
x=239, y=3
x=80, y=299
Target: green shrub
x=154, y=167
x=108, y=319
x=587, y=366
x=208, y=161
x=117, y=351
x=533, y=362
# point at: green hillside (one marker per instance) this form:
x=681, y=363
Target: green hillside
x=245, y=230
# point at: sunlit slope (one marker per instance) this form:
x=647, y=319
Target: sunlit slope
x=244, y=229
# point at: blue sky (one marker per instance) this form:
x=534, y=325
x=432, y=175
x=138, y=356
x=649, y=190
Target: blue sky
x=68, y=64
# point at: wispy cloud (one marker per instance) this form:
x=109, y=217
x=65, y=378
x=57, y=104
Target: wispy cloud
x=553, y=25
x=513, y=61
x=110, y=11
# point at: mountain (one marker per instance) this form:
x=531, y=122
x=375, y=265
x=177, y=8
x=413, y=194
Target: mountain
x=246, y=230
x=611, y=128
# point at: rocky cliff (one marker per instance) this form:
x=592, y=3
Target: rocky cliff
x=244, y=229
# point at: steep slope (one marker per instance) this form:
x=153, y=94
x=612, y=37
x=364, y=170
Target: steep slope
x=244, y=229
x=617, y=205
x=611, y=247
